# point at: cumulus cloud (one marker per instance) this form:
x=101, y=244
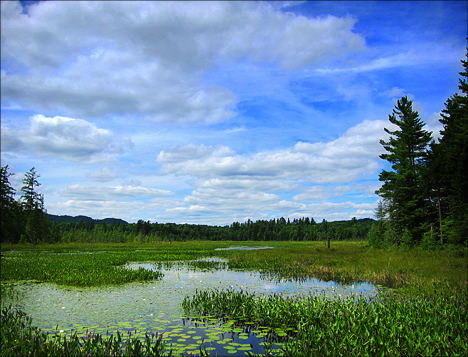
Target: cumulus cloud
x=316, y=193
x=94, y=208
x=104, y=174
x=65, y=138
x=348, y=158
x=394, y=92
x=253, y=185
x=182, y=153
x=113, y=192
x=99, y=58
x=360, y=141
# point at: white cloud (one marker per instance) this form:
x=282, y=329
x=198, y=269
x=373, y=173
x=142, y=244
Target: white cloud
x=426, y=53
x=255, y=183
x=113, y=192
x=343, y=160
x=104, y=174
x=94, y=208
x=191, y=152
x=315, y=193
x=102, y=58
x=65, y=138
x=394, y=92
x=360, y=141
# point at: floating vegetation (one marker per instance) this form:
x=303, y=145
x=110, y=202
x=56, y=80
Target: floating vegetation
x=21, y=338
x=315, y=325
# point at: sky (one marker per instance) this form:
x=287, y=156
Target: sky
x=217, y=112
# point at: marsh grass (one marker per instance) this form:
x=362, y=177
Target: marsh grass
x=426, y=314
x=351, y=262
x=385, y=325
x=73, y=269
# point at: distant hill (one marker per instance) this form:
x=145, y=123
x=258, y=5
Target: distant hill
x=78, y=219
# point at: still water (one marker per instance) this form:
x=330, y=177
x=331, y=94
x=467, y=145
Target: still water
x=156, y=306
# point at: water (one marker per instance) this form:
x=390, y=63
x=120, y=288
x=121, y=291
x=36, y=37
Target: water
x=244, y=248
x=156, y=306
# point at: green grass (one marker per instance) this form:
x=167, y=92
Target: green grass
x=345, y=262
x=424, y=313
x=349, y=262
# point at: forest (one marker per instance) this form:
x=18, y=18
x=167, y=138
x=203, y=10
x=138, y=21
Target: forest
x=424, y=198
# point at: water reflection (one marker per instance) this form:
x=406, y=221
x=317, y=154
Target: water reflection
x=185, y=277
x=156, y=306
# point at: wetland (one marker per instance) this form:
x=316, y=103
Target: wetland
x=207, y=298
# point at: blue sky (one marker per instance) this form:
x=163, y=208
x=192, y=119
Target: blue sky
x=216, y=112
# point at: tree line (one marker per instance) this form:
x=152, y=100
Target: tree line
x=25, y=221
x=303, y=229
x=425, y=195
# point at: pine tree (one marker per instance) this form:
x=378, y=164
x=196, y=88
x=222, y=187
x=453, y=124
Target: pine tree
x=449, y=163
x=7, y=201
x=402, y=189
x=31, y=199
x=7, y=192
x=37, y=225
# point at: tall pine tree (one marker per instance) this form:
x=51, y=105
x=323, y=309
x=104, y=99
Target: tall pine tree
x=448, y=163
x=33, y=203
x=402, y=189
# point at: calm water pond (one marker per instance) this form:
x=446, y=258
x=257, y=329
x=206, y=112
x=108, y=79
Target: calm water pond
x=156, y=307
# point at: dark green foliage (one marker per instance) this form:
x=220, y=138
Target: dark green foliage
x=31, y=199
x=7, y=192
x=13, y=221
x=425, y=197
x=402, y=188
x=447, y=171
x=303, y=229
x=26, y=221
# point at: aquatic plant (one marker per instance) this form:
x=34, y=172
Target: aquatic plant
x=388, y=324
x=19, y=337
x=426, y=314
x=73, y=269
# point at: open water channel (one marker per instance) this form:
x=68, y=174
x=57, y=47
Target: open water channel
x=156, y=307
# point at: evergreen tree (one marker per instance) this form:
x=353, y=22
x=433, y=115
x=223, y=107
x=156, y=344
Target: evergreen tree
x=37, y=226
x=402, y=189
x=31, y=199
x=448, y=164
x=7, y=193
